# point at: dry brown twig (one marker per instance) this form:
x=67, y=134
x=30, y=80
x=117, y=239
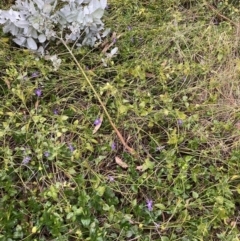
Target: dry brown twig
x=126, y=146
x=222, y=16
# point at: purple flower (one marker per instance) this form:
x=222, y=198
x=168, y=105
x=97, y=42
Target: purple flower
x=97, y=122
x=114, y=40
x=180, y=122
x=71, y=148
x=46, y=154
x=113, y=146
x=26, y=160
x=149, y=205
x=38, y=92
x=55, y=112
x=111, y=178
x=35, y=74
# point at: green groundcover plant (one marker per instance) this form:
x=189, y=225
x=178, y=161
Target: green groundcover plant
x=173, y=93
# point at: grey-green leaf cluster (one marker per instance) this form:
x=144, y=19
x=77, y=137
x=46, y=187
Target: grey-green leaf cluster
x=35, y=22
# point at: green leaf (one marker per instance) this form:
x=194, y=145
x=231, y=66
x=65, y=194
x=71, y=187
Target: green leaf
x=89, y=147
x=99, y=159
x=180, y=115
x=85, y=222
x=63, y=117
x=195, y=195
x=160, y=206
x=106, y=207
x=173, y=138
x=70, y=215
x=122, y=109
x=34, y=229
x=100, y=190
x=165, y=238
x=147, y=165
x=38, y=119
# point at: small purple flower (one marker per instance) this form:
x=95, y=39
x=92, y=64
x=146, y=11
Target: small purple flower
x=35, y=74
x=55, y=112
x=114, y=40
x=26, y=160
x=71, y=148
x=97, y=122
x=180, y=122
x=111, y=178
x=46, y=154
x=149, y=205
x=38, y=92
x=113, y=146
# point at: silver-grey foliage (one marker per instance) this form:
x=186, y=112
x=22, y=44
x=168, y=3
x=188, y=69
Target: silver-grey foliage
x=34, y=22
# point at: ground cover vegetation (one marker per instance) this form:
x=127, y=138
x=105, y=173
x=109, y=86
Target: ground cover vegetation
x=173, y=93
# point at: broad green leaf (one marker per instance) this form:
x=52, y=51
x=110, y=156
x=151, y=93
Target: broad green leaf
x=70, y=215
x=85, y=222
x=164, y=238
x=160, y=206
x=148, y=164
x=195, y=194
x=100, y=190
x=173, y=137
x=180, y=115
x=75, y=123
x=64, y=117
x=38, y=119
x=122, y=109
x=89, y=147
x=34, y=229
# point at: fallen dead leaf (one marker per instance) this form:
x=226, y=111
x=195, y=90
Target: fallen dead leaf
x=36, y=104
x=107, y=45
x=150, y=75
x=233, y=224
x=237, y=125
x=139, y=168
x=121, y=163
x=7, y=83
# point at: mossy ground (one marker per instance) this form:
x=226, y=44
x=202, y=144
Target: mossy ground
x=173, y=93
